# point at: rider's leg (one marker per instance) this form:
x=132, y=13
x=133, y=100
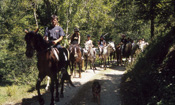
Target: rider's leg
x=82, y=53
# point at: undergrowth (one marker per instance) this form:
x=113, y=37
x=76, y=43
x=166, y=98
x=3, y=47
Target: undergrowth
x=151, y=79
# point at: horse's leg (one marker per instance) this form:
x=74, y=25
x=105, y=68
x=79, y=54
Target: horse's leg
x=93, y=65
x=47, y=86
x=90, y=62
x=52, y=91
x=121, y=62
x=72, y=67
x=86, y=62
x=40, y=78
x=75, y=71
x=79, y=64
x=62, y=87
x=105, y=63
x=57, y=86
x=108, y=59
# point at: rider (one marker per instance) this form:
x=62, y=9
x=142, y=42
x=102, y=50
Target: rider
x=54, y=34
x=123, y=42
x=89, y=41
x=75, y=39
x=101, y=44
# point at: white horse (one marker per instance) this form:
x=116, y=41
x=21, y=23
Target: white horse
x=142, y=45
x=107, y=51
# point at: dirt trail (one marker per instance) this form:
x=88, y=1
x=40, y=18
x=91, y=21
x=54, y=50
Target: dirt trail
x=82, y=95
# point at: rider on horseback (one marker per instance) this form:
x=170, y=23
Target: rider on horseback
x=89, y=41
x=75, y=40
x=101, y=44
x=54, y=35
x=123, y=42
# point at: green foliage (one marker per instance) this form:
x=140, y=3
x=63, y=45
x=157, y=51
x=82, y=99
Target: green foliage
x=94, y=17
x=150, y=80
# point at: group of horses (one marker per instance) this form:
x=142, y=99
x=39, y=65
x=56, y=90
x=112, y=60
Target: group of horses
x=53, y=64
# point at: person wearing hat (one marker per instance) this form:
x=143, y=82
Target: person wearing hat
x=88, y=44
x=89, y=41
x=123, y=43
x=75, y=39
x=101, y=44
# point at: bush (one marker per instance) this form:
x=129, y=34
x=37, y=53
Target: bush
x=150, y=80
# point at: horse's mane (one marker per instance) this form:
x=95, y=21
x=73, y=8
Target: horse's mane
x=40, y=42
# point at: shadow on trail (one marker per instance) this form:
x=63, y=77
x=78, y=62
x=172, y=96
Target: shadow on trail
x=110, y=88
x=109, y=92
x=46, y=95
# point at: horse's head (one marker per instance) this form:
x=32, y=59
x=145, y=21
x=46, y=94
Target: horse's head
x=111, y=45
x=75, y=50
x=30, y=39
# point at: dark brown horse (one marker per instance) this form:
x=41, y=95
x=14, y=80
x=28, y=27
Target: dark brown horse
x=48, y=64
x=118, y=53
x=126, y=52
x=75, y=58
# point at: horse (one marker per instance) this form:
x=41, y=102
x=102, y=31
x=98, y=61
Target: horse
x=48, y=64
x=106, y=52
x=126, y=52
x=111, y=51
x=90, y=55
x=135, y=47
x=118, y=53
x=75, y=58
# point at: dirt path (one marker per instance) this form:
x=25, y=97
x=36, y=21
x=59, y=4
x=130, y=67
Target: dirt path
x=82, y=95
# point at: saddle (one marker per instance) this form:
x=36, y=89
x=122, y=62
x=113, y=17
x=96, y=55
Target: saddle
x=57, y=53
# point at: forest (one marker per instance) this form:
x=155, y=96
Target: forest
x=153, y=20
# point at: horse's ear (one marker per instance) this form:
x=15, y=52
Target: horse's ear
x=36, y=30
x=26, y=31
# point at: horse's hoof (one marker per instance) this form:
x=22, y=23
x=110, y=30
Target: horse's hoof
x=52, y=103
x=57, y=99
x=41, y=101
x=61, y=95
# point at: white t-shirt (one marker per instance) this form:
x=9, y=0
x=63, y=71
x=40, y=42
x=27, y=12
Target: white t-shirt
x=89, y=43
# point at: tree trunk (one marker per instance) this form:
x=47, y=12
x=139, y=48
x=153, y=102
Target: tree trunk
x=152, y=18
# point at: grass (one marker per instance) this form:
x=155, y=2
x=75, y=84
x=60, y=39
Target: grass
x=14, y=93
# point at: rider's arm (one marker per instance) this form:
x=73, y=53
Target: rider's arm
x=79, y=39
x=46, y=34
x=61, y=34
x=104, y=43
x=58, y=40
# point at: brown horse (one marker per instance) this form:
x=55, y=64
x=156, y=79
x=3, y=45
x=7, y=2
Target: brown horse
x=118, y=53
x=126, y=52
x=48, y=64
x=75, y=58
